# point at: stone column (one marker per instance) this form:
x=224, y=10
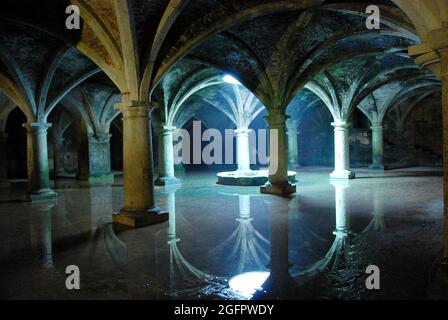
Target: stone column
x=243, y=149
x=341, y=152
x=293, y=158
x=139, y=206
x=278, y=183
x=166, y=158
x=4, y=183
x=377, y=148
x=37, y=154
x=94, y=159
x=58, y=156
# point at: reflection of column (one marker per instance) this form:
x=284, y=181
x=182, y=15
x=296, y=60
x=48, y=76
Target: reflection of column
x=37, y=159
x=100, y=201
x=278, y=161
x=279, y=283
x=41, y=230
x=139, y=205
x=377, y=223
x=171, y=206
x=342, y=218
x=4, y=183
x=58, y=156
x=94, y=159
x=341, y=152
x=243, y=149
x=293, y=158
x=166, y=158
x=377, y=148
x=244, y=206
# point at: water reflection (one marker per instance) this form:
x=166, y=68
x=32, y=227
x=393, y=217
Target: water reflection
x=336, y=256
x=246, y=246
x=377, y=224
x=41, y=233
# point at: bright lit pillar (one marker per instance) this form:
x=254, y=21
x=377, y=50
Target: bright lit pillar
x=293, y=158
x=4, y=183
x=166, y=158
x=341, y=151
x=243, y=149
x=278, y=183
x=377, y=148
x=37, y=162
x=139, y=204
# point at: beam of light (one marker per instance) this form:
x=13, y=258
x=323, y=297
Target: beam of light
x=229, y=79
x=246, y=284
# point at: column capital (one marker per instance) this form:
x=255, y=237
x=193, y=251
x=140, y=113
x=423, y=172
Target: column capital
x=341, y=125
x=168, y=129
x=58, y=139
x=242, y=131
x=36, y=126
x=376, y=126
x=438, y=39
x=136, y=109
x=99, y=137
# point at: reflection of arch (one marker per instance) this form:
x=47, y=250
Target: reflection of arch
x=178, y=263
x=247, y=241
x=338, y=252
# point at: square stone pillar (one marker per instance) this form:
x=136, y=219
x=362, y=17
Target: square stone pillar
x=94, y=160
x=377, y=148
x=58, y=157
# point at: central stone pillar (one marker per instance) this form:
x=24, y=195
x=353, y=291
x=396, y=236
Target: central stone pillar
x=293, y=158
x=377, y=148
x=139, y=206
x=4, y=183
x=278, y=183
x=94, y=160
x=37, y=161
x=166, y=158
x=58, y=157
x=341, y=152
x=243, y=149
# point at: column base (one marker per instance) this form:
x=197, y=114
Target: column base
x=282, y=190
x=166, y=181
x=342, y=175
x=98, y=180
x=38, y=196
x=375, y=168
x=61, y=175
x=138, y=219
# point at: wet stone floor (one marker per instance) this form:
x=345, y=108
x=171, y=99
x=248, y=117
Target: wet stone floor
x=229, y=242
